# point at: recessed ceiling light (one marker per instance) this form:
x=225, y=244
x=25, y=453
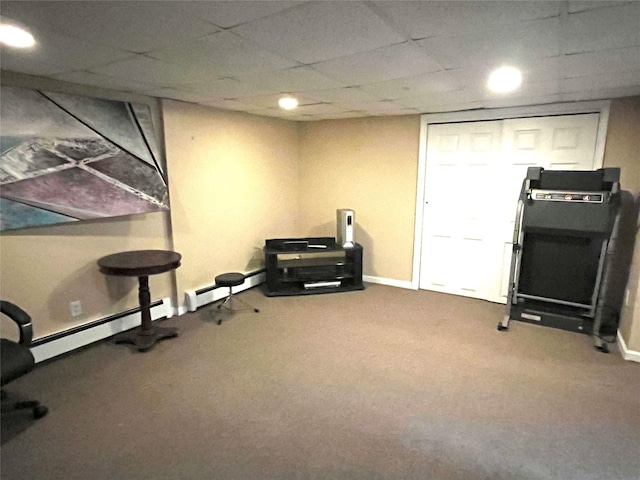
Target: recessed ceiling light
x=13, y=36
x=288, y=103
x=504, y=79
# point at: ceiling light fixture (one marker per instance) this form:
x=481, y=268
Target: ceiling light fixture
x=13, y=36
x=288, y=103
x=504, y=79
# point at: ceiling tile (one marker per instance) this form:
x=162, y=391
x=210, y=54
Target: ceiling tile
x=594, y=63
x=178, y=94
x=451, y=107
x=601, y=82
x=385, y=63
x=518, y=102
x=273, y=112
x=604, y=28
x=233, y=13
x=224, y=88
x=224, y=53
x=541, y=70
x=442, y=99
x=340, y=95
x=532, y=40
x=395, y=112
x=54, y=49
x=233, y=105
x=16, y=62
x=601, y=94
x=87, y=78
x=337, y=116
x=307, y=112
x=297, y=79
x=579, y=6
x=271, y=100
x=156, y=72
x=526, y=90
x=133, y=26
x=318, y=31
x=438, y=18
x=316, y=108
x=375, y=107
x=425, y=84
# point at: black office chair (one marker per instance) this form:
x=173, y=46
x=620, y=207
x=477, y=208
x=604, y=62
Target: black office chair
x=231, y=280
x=17, y=359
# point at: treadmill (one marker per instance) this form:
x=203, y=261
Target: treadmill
x=562, y=244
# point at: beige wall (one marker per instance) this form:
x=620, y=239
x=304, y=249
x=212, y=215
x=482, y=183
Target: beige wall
x=369, y=165
x=623, y=150
x=630, y=318
x=43, y=269
x=233, y=183
x=623, y=142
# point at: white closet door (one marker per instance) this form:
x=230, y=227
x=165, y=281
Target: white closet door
x=461, y=165
x=474, y=172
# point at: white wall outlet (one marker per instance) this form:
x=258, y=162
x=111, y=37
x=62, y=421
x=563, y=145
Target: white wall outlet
x=75, y=308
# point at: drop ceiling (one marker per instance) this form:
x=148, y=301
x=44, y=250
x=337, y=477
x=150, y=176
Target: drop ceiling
x=342, y=59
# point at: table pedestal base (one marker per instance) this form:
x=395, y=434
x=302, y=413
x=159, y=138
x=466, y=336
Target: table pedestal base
x=144, y=339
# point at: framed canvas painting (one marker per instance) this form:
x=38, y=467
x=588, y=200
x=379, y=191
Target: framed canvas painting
x=67, y=158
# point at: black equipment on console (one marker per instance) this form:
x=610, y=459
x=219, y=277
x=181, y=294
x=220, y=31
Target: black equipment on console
x=561, y=246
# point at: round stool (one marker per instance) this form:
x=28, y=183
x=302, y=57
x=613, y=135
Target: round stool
x=230, y=280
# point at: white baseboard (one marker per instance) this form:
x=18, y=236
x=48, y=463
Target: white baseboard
x=388, y=281
x=195, y=300
x=73, y=341
x=631, y=355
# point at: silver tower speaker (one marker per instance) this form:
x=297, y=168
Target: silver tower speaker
x=346, y=220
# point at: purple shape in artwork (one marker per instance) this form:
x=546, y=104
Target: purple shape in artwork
x=79, y=194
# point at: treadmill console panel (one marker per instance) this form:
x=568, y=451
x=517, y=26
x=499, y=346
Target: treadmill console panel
x=567, y=196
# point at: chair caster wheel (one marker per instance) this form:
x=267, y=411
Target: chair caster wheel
x=40, y=411
x=219, y=322
x=502, y=328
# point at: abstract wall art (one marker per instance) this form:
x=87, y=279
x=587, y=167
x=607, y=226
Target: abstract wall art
x=66, y=158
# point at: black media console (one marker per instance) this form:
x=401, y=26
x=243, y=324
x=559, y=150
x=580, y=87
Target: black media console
x=304, y=266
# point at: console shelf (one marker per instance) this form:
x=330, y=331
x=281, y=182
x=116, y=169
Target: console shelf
x=305, y=266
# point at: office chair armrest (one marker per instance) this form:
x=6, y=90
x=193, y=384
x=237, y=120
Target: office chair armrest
x=22, y=319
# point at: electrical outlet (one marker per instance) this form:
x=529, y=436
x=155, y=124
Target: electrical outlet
x=75, y=308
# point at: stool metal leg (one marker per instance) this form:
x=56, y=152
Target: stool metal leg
x=246, y=305
x=229, y=303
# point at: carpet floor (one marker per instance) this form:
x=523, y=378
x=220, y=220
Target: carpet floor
x=384, y=383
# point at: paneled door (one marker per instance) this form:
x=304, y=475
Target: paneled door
x=474, y=172
x=462, y=164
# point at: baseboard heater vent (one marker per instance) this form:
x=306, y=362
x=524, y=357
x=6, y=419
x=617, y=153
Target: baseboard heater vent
x=195, y=299
x=66, y=341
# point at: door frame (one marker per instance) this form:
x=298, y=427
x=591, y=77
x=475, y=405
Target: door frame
x=600, y=107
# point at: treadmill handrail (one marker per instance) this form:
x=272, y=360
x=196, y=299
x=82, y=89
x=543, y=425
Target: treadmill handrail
x=517, y=249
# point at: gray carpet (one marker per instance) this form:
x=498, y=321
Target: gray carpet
x=384, y=383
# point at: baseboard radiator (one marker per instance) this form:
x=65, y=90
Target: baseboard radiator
x=195, y=299
x=66, y=341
